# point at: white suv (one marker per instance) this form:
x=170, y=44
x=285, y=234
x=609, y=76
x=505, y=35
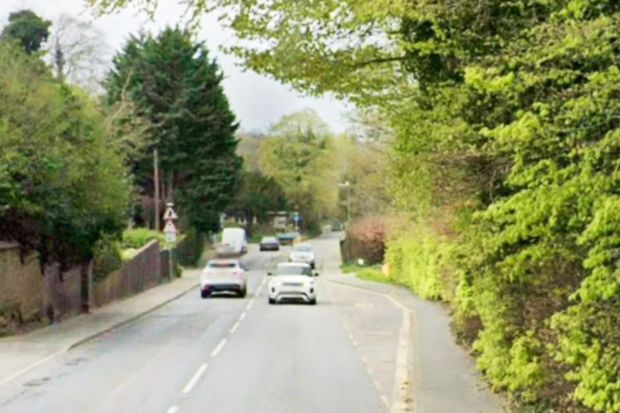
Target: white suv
x=222, y=275
x=303, y=253
x=292, y=281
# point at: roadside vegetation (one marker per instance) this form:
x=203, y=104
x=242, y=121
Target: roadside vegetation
x=501, y=169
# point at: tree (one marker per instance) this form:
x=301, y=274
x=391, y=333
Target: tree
x=298, y=155
x=77, y=51
x=63, y=181
x=28, y=29
x=258, y=195
x=177, y=88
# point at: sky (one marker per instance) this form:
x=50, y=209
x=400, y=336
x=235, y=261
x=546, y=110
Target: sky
x=258, y=101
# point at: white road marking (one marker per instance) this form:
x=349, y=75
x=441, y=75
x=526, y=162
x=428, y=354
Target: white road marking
x=401, y=383
x=401, y=375
x=250, y=304
x=385, y=400
x=173, y=409
x=377, y=384
x=219, y=348
x=242, y=316
x=190, y=384
x=234, y=328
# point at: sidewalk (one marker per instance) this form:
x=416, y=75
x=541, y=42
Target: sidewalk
x=444, y=375
x=19, y=354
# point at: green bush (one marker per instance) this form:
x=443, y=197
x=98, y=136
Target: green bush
x=422, y=261
x=191, y=247
x=107, y=258
x=139, y=237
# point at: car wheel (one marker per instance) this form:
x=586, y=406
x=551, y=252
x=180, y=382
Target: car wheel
x=272, y=301
x=312, y=302
x=243, y=292
x=204, y=294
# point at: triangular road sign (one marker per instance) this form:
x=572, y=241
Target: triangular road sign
x=169, y=228
x=170, y=215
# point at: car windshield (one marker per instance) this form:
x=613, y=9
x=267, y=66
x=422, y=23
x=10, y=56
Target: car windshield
x=216, y=264
x=302, y=248
x=269, y=239
x=294, y=270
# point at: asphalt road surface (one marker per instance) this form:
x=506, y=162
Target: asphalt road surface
x=227, y=354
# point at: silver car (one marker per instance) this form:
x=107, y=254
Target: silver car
x=223, y=275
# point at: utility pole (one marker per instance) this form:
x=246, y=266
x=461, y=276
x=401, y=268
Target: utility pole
x=156, y=182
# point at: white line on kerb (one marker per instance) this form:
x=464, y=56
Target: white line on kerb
x=190, y=384
x=234, y=328
x=173, y=409
x=242, y=316
x=218, y=348
x=385, y=401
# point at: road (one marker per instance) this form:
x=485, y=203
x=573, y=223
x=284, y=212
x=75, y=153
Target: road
x=228, y=354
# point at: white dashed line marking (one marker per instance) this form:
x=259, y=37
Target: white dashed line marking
x=242, y=316
x=219, y=348
x=250, y=304
x=377, y=384
x=190, y=385
x=173, y=409
x=234, y=328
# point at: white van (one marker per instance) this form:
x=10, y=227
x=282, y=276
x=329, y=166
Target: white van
x=234, y=242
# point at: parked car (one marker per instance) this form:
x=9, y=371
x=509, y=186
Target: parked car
x=287, y=238
x=223, y=275
x=292, y=281
x=234, y=243
x=303, y=253
x=269, y=244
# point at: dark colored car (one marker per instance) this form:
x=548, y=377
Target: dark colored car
x=287, y=238
x=269, y=244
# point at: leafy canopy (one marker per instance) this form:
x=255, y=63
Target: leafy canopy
x=28, y=29
x=176, y=87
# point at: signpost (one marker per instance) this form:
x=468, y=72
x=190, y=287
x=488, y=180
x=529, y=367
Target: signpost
x=170, y=230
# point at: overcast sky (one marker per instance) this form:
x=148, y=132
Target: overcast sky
x=258, y=101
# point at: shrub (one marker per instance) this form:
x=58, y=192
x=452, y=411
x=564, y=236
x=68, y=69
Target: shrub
x=139, y=237
x=191, y=247
x=366, y=239
x=107, y=258
x=421, y=260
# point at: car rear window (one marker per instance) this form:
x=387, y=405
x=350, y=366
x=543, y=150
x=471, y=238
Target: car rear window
x=302, y=248
x=222, y=265
x=294, y=270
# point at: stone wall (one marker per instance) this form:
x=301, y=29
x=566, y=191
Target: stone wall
x=140, y=273
x=30, y=297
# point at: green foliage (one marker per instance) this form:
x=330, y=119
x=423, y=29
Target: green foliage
x=420, y=260
x=258, y=195
x=27, y=29
x=107, y=258
x=139, y=237
x=505, y=159
x=190, y=249
x=297, y=156
x=176, y=87
x=62, y=181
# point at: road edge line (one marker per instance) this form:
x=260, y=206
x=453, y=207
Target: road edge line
x=402, y=376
